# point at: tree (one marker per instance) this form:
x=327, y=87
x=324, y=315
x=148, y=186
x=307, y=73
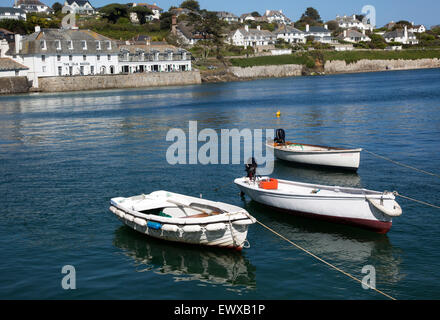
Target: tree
x=312, y=13
x=191, y=5
x=166, y=20
x=114, y=11
x=142, y=13
x=333, y=25
x=57, y=7
x=255, y=14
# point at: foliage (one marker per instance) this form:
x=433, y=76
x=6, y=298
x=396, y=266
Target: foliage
x=191, y=5
x=57, y=7
x=113, y=12
x=311, y=13
x=142, y=13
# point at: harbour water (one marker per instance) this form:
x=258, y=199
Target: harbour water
x=63, y=156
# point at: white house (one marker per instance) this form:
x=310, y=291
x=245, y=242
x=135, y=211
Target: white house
x=319, y=34
x=153, y=58
x=60, y=52
x=12, y=13
x=354, y=36
x=351, y=22
x=290, y=34
x=32, y=6
x=157, y=11
x=247, y=37
x=227, y=16
x=417, y=28
x=78, y=7
x=276, y=16
x=402, y=36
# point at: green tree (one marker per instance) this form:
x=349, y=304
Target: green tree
x=312, y=13
x=142, y=13
x=114, y=11
x=191, y=5
x=255, y=14
x=57, y=7
x=165, y=20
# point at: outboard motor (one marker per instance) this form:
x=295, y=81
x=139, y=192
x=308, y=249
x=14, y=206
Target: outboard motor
x=251, y=168
x=280, y=136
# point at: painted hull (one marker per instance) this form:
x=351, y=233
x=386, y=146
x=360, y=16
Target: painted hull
x=222, y=230
x=347, y=159
x=345, y=209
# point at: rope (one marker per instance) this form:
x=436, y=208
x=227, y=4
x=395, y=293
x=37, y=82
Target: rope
x=415, y=200
x=403, y=165
x=323, y=261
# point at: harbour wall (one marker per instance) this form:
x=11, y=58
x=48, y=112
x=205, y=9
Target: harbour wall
x=138, y=80
x=338, y=66
x=12, y=85
x=276, y=71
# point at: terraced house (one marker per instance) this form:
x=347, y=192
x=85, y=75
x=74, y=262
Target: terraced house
x=12, y=13
x=247, y=37
x=58, y=52
x=79, y=7
x=32, y=6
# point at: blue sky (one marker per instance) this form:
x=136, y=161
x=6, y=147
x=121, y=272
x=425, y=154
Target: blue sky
x=420, y=11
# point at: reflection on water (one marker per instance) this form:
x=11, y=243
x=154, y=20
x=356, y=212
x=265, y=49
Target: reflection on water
x=341, y=245
x=297, y=172
x=185, y=262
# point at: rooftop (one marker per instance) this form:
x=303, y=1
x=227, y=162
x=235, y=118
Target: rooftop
x=7, y=64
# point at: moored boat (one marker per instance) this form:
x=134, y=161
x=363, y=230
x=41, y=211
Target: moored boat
x=175, y=217
x=317, y=155
x=353, y=206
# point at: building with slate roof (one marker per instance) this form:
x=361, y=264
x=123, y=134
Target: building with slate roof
x=78, y=7
x=12, y=13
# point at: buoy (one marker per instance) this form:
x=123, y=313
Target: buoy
x=278, y=113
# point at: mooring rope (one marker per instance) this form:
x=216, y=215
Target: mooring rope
x=323, y=261
x=403, y=164
x=415, y=200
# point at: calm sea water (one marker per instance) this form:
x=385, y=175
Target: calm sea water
x=63, y=156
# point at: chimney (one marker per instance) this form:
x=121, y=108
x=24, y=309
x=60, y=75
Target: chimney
x=258, y=28
x=354, y=17
x=267, y=12
x=406, y=33
x=307, y=28
x=281, y=11
x=326, y=26
x=246, y=27
x=17, y=43
x=174, y=25
x=37, y=29
x=345, y=34
x=363, y=32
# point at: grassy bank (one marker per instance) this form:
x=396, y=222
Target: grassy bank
x=348, y=56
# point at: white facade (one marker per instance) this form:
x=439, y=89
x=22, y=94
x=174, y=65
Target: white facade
x=276, y=16
x=12, y=13
x=291, y=35
x=32, y=6
x=417, y=29
x=78, y=7
x=251, y=37
x=354, y=36
x=319, y=34
x=351, y=22
x=401, y=36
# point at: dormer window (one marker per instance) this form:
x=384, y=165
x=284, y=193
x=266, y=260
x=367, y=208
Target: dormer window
x=98, y=45
x=58, y=44
x=109, y=45
x=70, y=45
x=43, y=45
x=84, y=45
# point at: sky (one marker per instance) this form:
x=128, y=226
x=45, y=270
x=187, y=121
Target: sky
x=418, y=11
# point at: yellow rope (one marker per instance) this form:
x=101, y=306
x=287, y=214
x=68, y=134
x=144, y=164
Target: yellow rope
x=322, y=260
x=402, y=164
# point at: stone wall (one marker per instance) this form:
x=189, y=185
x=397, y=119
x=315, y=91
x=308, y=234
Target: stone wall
x=11, y=85
x=288, y=70
x=138, y=80
x=338, y=66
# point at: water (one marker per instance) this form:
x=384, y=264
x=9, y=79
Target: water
x=63, y=156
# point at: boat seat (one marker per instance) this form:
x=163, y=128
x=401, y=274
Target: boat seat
x=203, y=215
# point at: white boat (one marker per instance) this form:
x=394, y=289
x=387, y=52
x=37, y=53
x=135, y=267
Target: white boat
x=347, y=159
x=358, y=207
x=175, y=217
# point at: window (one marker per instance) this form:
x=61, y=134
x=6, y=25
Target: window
x=43, y=58
x=43, y=68
x=81, y=70
x=98, y=57
x=58, y=45
x=58, y=58
x=60, y=71
x=98, y=45
x=43, y=44
x=84, y=45
x=70, y=45
x=109, y=45
x=92, y=70
x=84, y=57
x=70, y=58
x=109, y=57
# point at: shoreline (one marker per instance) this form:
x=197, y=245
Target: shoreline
x=229, y=74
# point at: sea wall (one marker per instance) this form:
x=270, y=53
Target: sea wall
x=12, y=85
x=138, y=80
x=339, y=66
x=287, y=70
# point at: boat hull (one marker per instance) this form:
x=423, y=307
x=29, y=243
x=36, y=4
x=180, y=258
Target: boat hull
x=346, y=159
x=354, y=211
